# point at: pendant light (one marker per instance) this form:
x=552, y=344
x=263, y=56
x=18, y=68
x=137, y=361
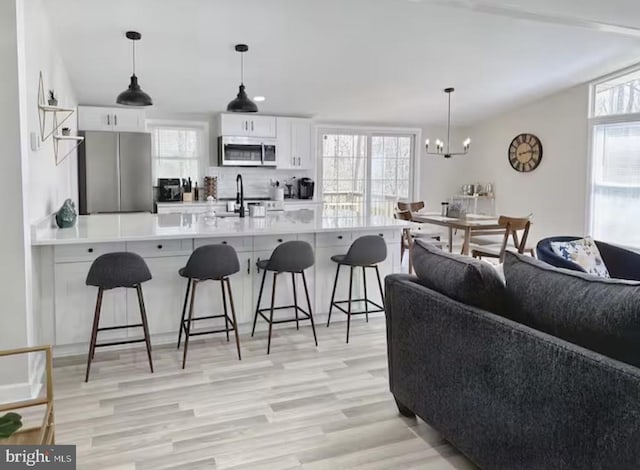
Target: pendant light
x=242, y=103
x=440, y=144
x=134, y=96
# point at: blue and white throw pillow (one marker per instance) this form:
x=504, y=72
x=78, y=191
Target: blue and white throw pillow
x=584, y=252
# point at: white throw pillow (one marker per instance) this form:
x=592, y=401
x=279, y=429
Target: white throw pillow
x=584, y=252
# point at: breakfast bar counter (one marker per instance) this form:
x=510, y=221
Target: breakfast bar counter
x=62, y=258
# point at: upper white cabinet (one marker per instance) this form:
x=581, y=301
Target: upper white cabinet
x=294, y=144
x=253, y=125
x=95, y=118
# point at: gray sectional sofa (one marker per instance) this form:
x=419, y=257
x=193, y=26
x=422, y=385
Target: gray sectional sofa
x=540, y=373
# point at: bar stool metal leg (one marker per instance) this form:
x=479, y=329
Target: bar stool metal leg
x=233, y=317
x=194, y=284
x=184, y=311
x=224, y=305
x=255, y=317
x=295, y=299
x=380, y=286
x=273, y=298
x=349, y=303
x=306, y=291
x=333, y=294
x=94, y=332
x=145, y=325
x=366, y=298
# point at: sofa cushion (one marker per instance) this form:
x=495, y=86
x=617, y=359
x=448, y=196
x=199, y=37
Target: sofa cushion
x=584, y=252
x=461, y=278
x=597, y=313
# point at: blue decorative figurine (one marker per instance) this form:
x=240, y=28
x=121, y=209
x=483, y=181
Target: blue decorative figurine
x=66, y=215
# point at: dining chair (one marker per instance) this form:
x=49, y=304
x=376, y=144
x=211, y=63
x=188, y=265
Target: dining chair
x=418, y=230
x=512, y=227
x=409, y=235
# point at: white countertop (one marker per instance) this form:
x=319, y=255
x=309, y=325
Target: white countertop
x=143, y=226
x=224, y=202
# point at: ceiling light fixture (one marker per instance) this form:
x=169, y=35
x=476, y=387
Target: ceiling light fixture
x=440, y=144
x=134, y=96
x=259, y=99
x=242, y=103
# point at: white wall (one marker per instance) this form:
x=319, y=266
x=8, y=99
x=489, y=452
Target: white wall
x=556, y=191
x=14, y=246
x=49, y=185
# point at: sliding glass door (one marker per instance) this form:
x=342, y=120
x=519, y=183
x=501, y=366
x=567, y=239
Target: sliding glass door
x=365, y=173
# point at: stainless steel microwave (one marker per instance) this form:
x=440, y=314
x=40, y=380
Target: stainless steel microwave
x=246, y=151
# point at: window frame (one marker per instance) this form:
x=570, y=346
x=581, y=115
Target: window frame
x=369, y=132
x=597, y=121
x=203, y=159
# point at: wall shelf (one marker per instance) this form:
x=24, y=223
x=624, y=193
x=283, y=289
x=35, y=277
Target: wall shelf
x=59, y=114
x=69, y=138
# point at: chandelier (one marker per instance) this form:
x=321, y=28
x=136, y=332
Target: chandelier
x=440, y=145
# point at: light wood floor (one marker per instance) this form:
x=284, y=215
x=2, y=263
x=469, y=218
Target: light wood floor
x=302, y=407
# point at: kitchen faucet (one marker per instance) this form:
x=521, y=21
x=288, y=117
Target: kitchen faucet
x=240, y=195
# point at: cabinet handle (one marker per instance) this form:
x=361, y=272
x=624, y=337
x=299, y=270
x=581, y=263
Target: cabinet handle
x=246, y=125
x=90, y=250
x=108, y=119
x=258, y=265
x=251, y=126
x=293, y=161
x=339, y=237
x=248, y=265
x=159, y=247
x=279, y=240
x=224, y=242
x=299, y=164
x=115, y=119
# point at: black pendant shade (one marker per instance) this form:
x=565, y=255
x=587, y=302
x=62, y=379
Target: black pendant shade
x=242, y=103
x=134, y=96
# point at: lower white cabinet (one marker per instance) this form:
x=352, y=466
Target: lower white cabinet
x=75, y=304
x=163, y=296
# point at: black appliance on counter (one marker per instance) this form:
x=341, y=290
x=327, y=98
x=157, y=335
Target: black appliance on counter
x=305, y=188
x=169, y=190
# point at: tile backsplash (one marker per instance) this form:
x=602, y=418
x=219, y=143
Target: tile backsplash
x=256, y=180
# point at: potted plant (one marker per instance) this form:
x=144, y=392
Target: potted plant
x=9, y=424
x=53, y=101
x=66, y=131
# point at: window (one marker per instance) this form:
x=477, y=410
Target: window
x=179, y=150
x=615, y=173
x=365, y=172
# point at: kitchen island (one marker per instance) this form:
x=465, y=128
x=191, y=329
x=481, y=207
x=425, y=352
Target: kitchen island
x=62, y=258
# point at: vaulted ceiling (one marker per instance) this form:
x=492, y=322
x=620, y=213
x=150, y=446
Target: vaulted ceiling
x=370, y=61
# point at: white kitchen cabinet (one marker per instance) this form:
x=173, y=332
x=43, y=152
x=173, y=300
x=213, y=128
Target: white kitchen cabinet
x=163, y=297
x=95, y=118
x=233, y=124
x=75, y=304
x=294, y=144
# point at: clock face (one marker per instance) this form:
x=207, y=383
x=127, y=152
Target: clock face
x=525, y=152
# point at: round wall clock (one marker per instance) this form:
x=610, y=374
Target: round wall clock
x=525, y=152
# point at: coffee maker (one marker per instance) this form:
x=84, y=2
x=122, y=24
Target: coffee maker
x=305, y=188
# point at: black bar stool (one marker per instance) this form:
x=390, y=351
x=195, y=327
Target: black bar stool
x=290, y=257
x=365, y=252
x=110, y=271
x=209, y=263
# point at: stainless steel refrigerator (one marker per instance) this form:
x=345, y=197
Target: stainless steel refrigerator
x=114, y=172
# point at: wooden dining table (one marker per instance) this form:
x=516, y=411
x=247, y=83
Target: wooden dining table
x=471, y=224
